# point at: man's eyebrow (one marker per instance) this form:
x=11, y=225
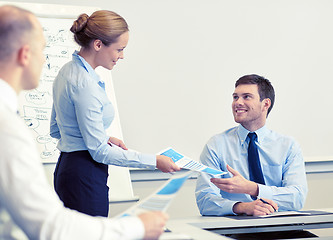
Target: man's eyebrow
x=242, y=94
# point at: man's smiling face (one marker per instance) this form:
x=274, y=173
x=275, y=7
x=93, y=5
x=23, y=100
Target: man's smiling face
x=247, y=108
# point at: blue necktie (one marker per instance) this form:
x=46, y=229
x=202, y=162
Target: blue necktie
x=254, y=162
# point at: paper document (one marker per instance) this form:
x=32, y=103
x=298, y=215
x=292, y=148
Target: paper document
x=285, y=213
x=187, y=163
x=161, y=199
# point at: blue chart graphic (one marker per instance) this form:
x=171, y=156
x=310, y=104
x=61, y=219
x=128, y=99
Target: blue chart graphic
x=173, y=186
x=173, y=155
x=161, y=199
x=212, y=171
x=188, y=163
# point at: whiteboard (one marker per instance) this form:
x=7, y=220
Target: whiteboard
x=35, y=106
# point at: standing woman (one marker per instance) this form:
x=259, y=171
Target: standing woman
x=82, y=111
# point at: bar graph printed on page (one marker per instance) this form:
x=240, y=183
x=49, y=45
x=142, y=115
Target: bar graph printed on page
x=187, y=163
x=161, y=199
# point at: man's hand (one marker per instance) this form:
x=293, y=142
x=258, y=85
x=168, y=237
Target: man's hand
x=154, y=223
x=165, y=164
x=118, y=142
x=236, y=184
x=255, y=208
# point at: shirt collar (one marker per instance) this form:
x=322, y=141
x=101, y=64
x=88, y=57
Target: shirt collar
x=243, y=132
x=8, y=96
x=80, y=60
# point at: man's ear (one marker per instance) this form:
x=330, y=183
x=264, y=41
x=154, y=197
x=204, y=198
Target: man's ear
x=97, y=44
x=267, y=103
x=24, y=55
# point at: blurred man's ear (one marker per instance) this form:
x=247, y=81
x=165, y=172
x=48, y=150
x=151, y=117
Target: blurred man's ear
x=24, y=54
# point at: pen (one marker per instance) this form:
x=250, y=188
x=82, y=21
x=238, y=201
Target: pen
x=267, y=203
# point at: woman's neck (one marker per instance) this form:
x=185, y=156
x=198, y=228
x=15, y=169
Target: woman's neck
x=89, y=56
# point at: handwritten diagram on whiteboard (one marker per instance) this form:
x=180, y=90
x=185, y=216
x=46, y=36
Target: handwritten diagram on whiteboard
x=36, y=105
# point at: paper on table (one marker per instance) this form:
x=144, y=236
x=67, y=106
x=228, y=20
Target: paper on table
x=285, y=213
x=174, y=236
x=161, y=199
x=187, y=163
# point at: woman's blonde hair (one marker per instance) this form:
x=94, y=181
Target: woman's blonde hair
x=104, y=25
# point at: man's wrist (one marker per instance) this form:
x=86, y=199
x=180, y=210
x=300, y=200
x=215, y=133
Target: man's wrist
x=238, y=208
x=253, y=189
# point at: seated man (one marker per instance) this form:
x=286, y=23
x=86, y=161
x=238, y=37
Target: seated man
x=266, y=173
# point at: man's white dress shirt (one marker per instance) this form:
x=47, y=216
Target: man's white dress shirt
x=29, y=208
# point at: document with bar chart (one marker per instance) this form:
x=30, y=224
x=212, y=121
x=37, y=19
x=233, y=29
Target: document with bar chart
x=187, y=163
x=160, y=199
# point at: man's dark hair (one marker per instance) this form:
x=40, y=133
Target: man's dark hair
x=265, y=87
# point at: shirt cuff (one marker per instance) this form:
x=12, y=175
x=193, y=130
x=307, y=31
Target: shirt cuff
x=132, y=228
x=137, y=230
x=149, y=160
x=265, y=191
x=232, y=204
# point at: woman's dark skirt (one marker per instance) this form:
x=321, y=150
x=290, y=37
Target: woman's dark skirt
x=80, y=182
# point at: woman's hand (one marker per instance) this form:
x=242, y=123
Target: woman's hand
x=118, y=142
x=165, y=164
